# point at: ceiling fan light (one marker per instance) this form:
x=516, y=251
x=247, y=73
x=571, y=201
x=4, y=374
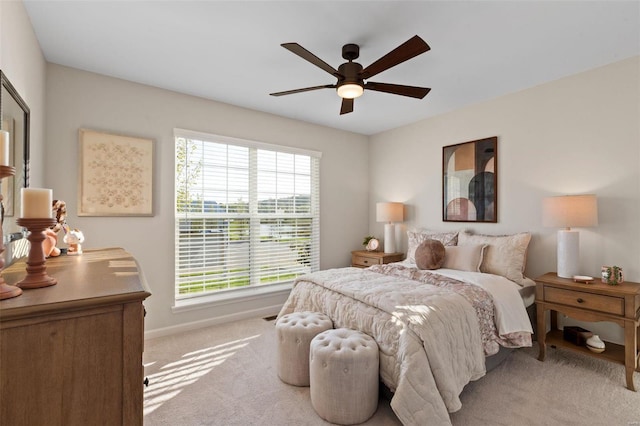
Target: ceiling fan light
x=350, y=91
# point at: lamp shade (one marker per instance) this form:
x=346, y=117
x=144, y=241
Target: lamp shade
x=570, y=210
x=389, y=212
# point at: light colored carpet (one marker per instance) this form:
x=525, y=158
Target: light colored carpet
x=226, y=375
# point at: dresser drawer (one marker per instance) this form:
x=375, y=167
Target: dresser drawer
x=364, y=261
x=594, y=302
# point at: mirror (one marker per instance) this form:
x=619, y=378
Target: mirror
x=14, y=114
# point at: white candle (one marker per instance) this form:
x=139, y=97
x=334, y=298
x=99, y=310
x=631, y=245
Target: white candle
x=36, y=203
x=4, y=148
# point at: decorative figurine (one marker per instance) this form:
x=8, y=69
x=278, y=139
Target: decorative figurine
x=49, y=244
x=74, y=239
x=59, y=209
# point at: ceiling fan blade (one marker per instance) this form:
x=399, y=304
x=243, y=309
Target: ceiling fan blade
x=305, y=89
x=347, y=106
x=407, y=50
x=398, y=89
x=308, y=56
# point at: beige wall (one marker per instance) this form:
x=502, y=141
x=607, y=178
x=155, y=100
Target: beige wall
x=580, y=134
x=78, y=99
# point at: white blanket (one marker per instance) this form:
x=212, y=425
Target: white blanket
x=510, y=317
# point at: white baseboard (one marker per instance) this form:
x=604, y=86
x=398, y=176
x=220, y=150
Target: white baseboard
x=255, y=313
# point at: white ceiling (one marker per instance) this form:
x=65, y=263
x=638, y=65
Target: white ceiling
x=229, y=51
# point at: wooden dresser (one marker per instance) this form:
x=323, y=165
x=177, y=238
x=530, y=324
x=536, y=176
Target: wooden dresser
x=71, y=354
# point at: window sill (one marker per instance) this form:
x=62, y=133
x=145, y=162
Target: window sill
x=230, y=297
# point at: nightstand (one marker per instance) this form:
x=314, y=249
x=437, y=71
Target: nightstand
x=364, y=259
x=593, y=302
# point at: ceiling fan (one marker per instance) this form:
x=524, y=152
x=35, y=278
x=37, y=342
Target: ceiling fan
x=351, y=76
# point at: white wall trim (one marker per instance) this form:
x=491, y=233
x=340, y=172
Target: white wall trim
x=194, y=325
x=231, y=297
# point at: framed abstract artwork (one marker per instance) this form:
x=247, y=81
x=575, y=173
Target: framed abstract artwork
x=116, y=175
x=470, y=181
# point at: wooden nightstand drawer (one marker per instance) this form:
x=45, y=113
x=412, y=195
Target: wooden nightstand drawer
x=594, y=302
x=365, y=261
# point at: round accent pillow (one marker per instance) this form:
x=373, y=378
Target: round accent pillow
x=430, y=254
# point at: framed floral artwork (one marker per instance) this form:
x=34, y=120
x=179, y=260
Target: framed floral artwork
x=116, y=175
x=470, y=181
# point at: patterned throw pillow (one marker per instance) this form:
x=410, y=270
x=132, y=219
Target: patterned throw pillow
x=417, y=237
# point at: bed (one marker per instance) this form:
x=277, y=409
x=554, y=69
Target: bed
x=434, y=328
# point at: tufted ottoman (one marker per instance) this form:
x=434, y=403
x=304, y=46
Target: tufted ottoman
x=344, y=376
x=295, y=331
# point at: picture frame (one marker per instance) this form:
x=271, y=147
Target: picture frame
x=470, y=181
x=116, y=175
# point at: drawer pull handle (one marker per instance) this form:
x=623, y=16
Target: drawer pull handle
x=580, y=300
x=366, y=261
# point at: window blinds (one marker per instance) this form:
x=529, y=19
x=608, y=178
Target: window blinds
x=246, y=213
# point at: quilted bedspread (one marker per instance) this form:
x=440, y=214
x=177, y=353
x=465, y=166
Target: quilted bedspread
x=429, y=330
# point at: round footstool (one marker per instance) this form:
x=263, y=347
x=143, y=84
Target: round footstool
x=295, y=331
x=344, y=376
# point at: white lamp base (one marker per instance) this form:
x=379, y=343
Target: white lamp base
x=568, y=253
x=399, y=233
x=389, y=238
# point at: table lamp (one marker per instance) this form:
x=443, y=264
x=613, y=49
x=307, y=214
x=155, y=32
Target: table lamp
x=568, y=211
x=389, y=213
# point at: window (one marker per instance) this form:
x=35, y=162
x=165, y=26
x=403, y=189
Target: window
x=246, y=214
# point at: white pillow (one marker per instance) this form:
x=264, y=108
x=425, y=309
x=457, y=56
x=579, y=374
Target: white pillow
x=505, y=255
x=464, y=258
x=418, y=236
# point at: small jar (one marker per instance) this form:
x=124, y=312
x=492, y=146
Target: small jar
x=612, y=275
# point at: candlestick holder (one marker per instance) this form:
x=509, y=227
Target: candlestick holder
x=36, y=270
x=6, y=291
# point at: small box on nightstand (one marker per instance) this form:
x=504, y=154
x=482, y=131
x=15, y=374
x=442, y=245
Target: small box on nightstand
x=576, y=335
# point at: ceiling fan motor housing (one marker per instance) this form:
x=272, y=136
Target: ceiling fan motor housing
x=350, y=73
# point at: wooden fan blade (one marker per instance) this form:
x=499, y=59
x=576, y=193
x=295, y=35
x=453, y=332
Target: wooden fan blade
x=347, y=106
x=398, y=89
x=305, y=89
x=407, y=50
x=308, y=56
